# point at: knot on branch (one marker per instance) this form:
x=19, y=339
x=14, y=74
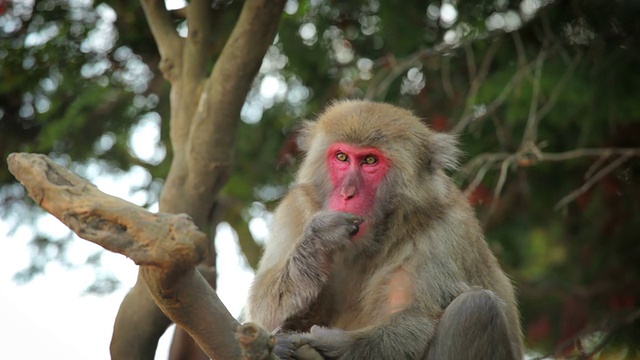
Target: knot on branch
x=256, y=343
x=529, y=154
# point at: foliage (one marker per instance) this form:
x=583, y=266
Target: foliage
x=487, y=70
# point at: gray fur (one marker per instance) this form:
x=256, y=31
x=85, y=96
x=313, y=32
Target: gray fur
x=422, y=283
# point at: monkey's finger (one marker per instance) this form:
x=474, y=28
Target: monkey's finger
x=298, y=340
x=306, y=352
x=356, y=219
x=354, y=228
x=314, y=329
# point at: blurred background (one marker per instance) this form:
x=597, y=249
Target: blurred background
x=545, y=96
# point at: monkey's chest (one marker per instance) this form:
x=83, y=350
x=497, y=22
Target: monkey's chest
x=357, y=302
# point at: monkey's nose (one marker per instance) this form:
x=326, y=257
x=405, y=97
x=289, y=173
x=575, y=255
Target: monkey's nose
x=348, y=192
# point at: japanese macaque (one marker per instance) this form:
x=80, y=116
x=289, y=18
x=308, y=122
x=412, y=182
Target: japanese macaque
x=376, y=254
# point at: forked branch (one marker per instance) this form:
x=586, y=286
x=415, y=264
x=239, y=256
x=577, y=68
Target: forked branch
x=531, y=155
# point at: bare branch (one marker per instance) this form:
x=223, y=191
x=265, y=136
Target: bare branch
x=224, y=92
x=478, y=178
x=487, y=61
x=399, y=68
x=596, y=165
x=192, y=304
x=166, y=36
x=587, y=185
x=471, y=61
x=160, y=240
x=555, y=94
x=250, y=248
x=609, y=325
x=445, y=74
x=531, y=155
x=497, y=102
x=469, y=116
x=550, y=34
x=485, y=161
x=501, y=132
x=501, y=181
x=517, y=40
x=204, y=143
x=478, y=76
x=530, y=132
x=587, y=152
x=196, y=51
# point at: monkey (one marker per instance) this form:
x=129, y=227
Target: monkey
x=376, y=254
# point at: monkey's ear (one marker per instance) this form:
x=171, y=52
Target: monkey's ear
x=443, y=151
x=305, y=129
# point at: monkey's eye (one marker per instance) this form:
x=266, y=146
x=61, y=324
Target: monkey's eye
x=370, y=160
x=341, y=156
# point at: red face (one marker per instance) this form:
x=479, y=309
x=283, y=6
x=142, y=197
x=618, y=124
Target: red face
x=356, y=173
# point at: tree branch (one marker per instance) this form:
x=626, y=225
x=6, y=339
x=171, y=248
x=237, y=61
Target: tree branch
x=196, y=51
x=205, y=28
x=167, y=38
x=609, y=326
x=497, y=102
x=531, y=155
x=531, y=130
x=159, y=240
x=587, y=185
x=445, y=77
x=224, y=92
x=478, y=76
x=398, y=68
x=168, y=246
x=588, y=152
x=504, y=168
x=555, y=94
x=186, y=297
x=471, y=61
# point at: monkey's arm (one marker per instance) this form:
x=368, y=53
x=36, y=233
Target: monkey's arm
x=297, y=260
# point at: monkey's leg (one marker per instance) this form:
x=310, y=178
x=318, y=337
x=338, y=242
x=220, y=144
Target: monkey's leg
x=475, y=326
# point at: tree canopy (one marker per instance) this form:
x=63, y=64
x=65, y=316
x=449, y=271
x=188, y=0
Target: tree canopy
x=543, y=95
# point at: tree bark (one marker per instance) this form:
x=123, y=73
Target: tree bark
x=205, y=111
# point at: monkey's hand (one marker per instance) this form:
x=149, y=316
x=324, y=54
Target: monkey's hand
x=331, y=230
x=292, y=346
x=320, y=343
x=326, y=233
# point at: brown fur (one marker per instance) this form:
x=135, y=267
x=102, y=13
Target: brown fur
x=382, y=296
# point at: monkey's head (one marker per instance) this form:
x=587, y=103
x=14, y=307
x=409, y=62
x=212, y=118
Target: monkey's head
x=363, y=156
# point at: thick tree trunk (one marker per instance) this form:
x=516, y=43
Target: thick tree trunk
x=205, y=111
